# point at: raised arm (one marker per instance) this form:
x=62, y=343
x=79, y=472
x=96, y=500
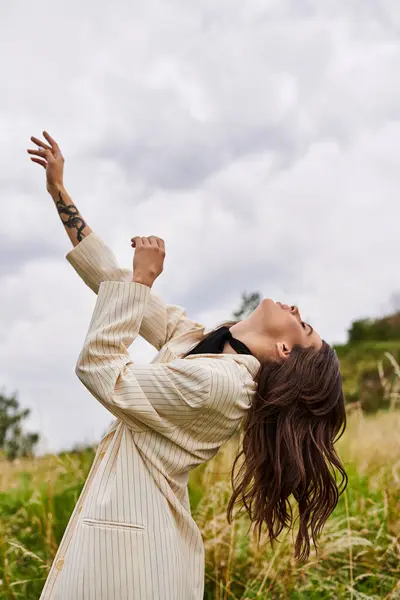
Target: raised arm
x=50, y=157
x=74, y=223
x=157, y=396
x=95, y=262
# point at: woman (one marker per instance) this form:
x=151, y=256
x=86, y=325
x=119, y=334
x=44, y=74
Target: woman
x=131, y=534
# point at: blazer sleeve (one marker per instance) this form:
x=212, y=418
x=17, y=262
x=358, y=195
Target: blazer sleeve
x=157, y=396
x=95, y=262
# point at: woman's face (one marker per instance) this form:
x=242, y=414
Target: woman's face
x=271, y=331
x=284, y=323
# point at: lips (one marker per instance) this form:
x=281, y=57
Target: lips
x=283, y=306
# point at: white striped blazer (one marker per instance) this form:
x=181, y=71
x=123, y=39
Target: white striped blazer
x=131, y=535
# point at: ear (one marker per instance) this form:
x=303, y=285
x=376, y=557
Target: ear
x=282, y=350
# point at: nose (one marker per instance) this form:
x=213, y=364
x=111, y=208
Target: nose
x=293, y=309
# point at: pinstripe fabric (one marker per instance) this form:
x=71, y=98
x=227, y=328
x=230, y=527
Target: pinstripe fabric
x=131, y=535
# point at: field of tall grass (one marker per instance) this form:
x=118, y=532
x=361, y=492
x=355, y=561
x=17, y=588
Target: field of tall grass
x=359, y=550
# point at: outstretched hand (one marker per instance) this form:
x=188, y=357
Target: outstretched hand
x=148, y=259
x=51, y=159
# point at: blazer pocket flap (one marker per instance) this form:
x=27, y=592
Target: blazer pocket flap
x=112, y=524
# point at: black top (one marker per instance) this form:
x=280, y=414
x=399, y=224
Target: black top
x=214, y=343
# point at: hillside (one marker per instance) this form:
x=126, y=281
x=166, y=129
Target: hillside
x=369, y=341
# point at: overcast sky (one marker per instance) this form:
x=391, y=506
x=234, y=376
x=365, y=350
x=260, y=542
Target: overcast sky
x=259, y=139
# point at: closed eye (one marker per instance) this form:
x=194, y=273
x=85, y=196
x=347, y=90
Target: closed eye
x=305, y=327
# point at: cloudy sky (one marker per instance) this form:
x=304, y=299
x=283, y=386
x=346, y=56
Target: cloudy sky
x=259, y=139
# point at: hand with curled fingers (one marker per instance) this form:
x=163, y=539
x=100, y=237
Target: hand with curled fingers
x=148, y=260
x=51, y=159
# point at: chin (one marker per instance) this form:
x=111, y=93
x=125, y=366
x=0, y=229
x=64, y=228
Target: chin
x=268, y=302
x=268, y=306
x=266, y=309
x=271, y=309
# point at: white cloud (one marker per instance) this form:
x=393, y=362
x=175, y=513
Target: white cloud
x=264, y=134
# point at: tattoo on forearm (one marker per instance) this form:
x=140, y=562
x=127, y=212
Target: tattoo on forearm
x=73, y=218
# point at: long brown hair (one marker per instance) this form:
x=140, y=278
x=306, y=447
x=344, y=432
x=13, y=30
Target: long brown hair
x=297, y=415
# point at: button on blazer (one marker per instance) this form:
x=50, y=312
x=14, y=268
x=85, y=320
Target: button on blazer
x=131, y=535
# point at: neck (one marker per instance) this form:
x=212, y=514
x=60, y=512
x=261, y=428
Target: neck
x=228, y=349
x=237, y=333
x=241, y=332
